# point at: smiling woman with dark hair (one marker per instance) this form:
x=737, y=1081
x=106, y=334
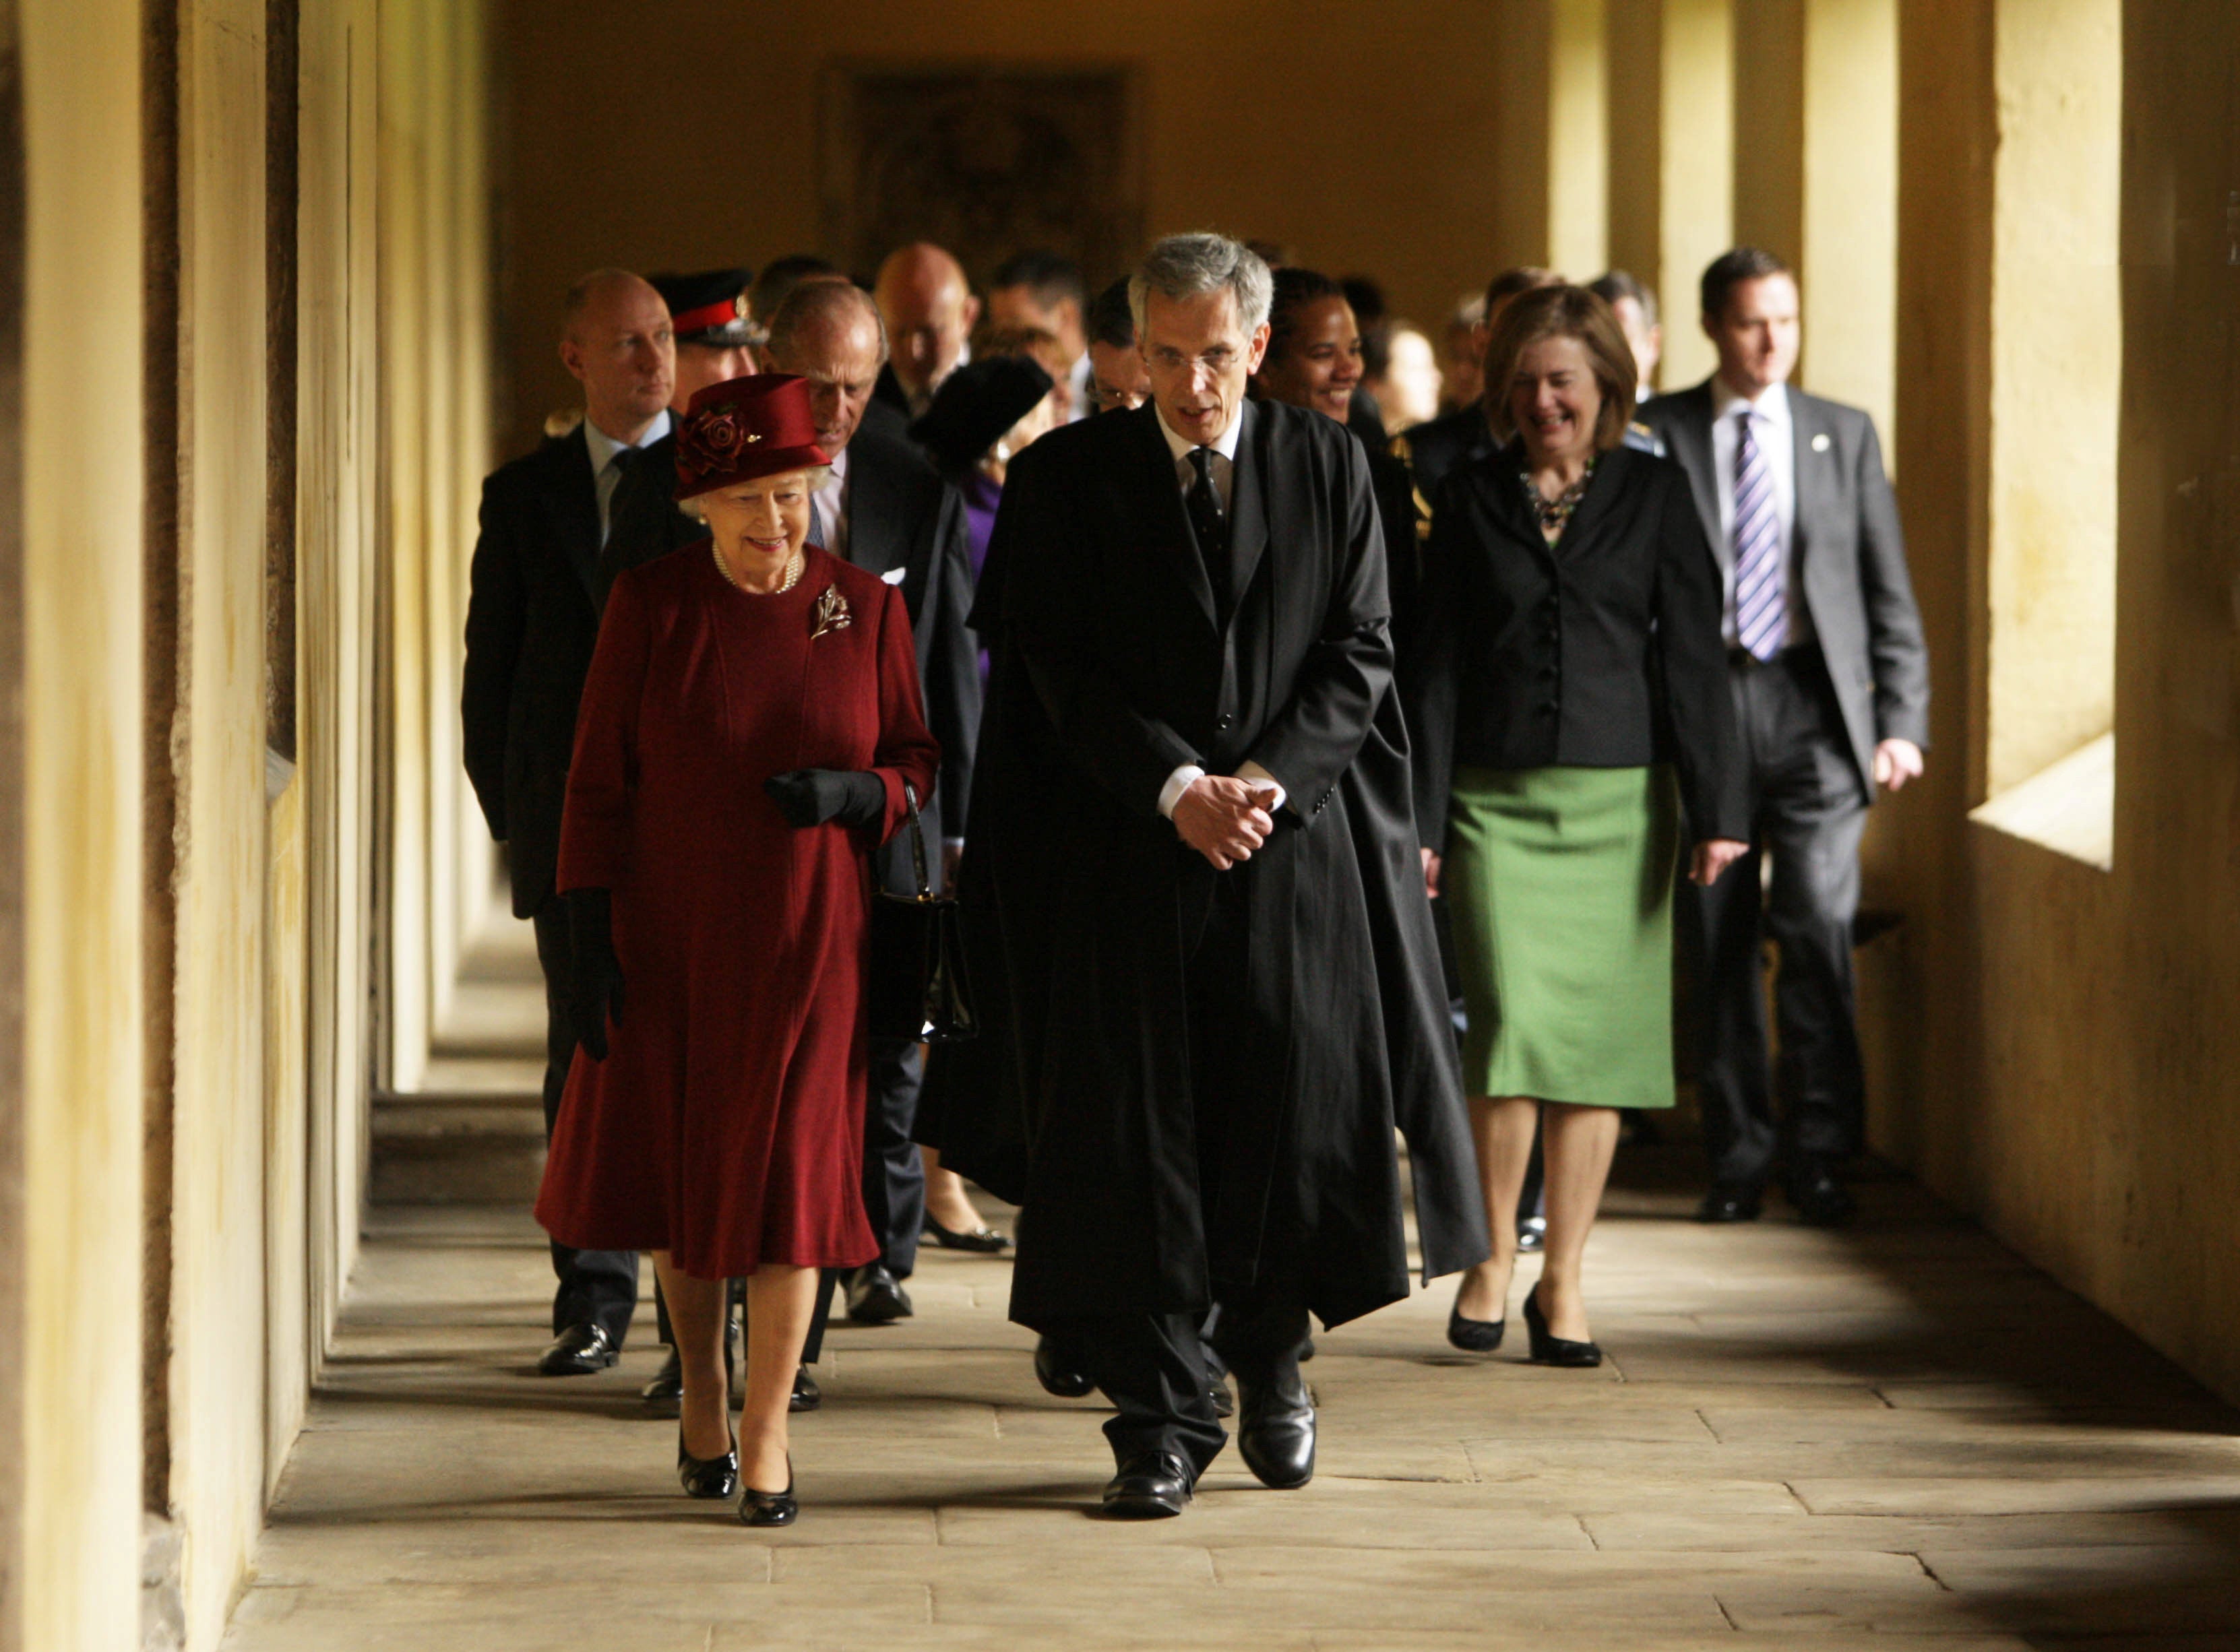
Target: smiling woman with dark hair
x=1567, y=690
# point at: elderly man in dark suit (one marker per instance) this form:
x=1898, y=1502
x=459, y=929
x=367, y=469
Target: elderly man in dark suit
x=1831, y=683
x=887, y=510
x=542, y=566
x=1218, y=977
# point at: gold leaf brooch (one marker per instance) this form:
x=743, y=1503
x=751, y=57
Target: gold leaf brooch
x=831, y=613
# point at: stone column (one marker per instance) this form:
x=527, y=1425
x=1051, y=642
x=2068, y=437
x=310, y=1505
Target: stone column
x=1551, y=193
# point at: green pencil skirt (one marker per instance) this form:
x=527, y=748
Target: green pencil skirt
x=1561, y=885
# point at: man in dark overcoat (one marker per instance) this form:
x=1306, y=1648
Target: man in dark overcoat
x=547, y=555
x=1215, y=974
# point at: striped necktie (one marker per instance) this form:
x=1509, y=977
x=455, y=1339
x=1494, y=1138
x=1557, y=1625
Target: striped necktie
x=1761, y=615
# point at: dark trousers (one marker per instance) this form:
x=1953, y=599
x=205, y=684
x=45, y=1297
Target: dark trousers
x=596, y=1286
x=1808, y=808
x=894, y=1176
x=1152, y=1367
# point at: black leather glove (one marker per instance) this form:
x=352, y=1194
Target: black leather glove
x=595, y=986
x=811, y=796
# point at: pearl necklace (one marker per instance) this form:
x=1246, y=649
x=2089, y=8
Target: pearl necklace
x=793, y=568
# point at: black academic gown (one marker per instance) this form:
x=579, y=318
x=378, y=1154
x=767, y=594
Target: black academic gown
x=1111, y=673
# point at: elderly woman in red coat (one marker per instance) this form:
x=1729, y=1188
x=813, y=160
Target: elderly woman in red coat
x=749, y=725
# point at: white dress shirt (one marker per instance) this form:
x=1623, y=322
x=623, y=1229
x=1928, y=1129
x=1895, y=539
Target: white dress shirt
x=1081, y=376
x=1774, y=430
x=1223, y=469
x=604, y=476
x=831, y=501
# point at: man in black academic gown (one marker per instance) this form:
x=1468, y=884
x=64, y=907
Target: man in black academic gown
x=1215, y=976
x=543, y=565
x=885, y=510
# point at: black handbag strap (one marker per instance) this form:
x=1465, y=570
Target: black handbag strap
x=917, y=843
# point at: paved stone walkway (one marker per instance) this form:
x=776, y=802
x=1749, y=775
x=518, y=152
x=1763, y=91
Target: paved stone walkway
x=1828, y=1441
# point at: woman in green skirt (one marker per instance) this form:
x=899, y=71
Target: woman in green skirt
x=1567, y=689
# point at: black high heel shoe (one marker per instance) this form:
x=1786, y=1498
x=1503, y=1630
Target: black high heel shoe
x=1474, y=1335
x=984, y=1241
x=771, y=1508
x=1550, y=1349
x=706, y=1477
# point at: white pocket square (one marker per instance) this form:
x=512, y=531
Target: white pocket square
x=894, y=575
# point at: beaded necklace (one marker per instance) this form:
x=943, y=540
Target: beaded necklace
x=792, y=573
x=1555, y=513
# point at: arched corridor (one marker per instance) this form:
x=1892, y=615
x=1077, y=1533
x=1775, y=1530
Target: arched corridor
x=279, y=286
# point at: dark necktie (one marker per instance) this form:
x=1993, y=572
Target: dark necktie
x=627, y=518
x=1211, y=527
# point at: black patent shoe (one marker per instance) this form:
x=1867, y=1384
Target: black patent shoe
x=1820, y=1200
x=668, y=1386
x=1731, y=1201
x=1216, y=1389
x=707, y=1477
x=1550, y=1349
x=771, y=1508
x=1151, y=1485
x=876, y=1296
x=807, y=1396
x=1532, y=1233
x=1474, y=1335
x=1057, y=1372
x=578, y=1351
x=985, y=1241
x=1276, y=1429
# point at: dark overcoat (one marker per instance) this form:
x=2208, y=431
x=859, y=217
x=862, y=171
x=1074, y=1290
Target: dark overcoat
x=533, y=608
x=1112, y=673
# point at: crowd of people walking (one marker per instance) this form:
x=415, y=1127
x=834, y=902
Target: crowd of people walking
x=1311, y=768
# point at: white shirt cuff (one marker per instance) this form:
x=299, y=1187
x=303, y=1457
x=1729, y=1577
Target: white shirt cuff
x=1253, y=773
x=1177, y=783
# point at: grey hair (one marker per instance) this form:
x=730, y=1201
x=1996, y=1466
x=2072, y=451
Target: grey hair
x=818, y=475
x=1183, y=266
x=812, y=302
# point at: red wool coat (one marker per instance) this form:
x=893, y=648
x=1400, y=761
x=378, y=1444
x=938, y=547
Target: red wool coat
x=726, y=1124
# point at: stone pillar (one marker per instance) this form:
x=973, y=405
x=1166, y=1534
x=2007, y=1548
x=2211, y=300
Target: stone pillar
x=70, y=1190
x=1551, y=193
x=1847, y=249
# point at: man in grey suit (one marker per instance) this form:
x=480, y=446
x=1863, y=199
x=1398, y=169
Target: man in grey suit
x=1831, y=683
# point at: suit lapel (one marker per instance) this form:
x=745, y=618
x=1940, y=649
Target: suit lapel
x=572, y=503
x=1688, y=433
x=1250, y=491
x=1164, y=522
x=872, y=532
x=1807, y=427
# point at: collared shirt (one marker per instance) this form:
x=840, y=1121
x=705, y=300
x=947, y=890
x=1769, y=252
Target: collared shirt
x=1224, y=483
x=831, y=501
x=1774, y=428
x=1082, y=376
x=604, y=475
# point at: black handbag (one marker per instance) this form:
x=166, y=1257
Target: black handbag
x=919, y=989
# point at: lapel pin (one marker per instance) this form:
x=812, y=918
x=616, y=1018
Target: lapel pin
x=1820, y=442
x=831, y=613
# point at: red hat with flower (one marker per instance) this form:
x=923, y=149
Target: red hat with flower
x=745, y=428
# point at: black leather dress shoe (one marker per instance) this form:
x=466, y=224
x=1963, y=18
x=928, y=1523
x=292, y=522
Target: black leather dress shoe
x=578, y=1351
x=1531, y=1233
x=1731, y=1201
x=1216, y=1389
x=1474, y=1335
x=1057, y=1372
x=771, y=1508
x=807, y=1396
x=1548, y=1348
x=711, y=1478
x=668, y=1385
x=986, y=1242
x=1275, y=1428
x=1151, y=1485
x=1820, y=1200
x=876, y=1296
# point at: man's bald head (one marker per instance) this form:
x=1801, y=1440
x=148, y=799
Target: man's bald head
x=829, y=333
x=617, y=340
x=930, y=311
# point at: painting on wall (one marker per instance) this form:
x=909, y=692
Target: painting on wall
x=984, y=160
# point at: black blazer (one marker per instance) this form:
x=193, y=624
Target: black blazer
x=908, y=526
x=1602, y=651
x=532, y=619
x=1850, y=555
